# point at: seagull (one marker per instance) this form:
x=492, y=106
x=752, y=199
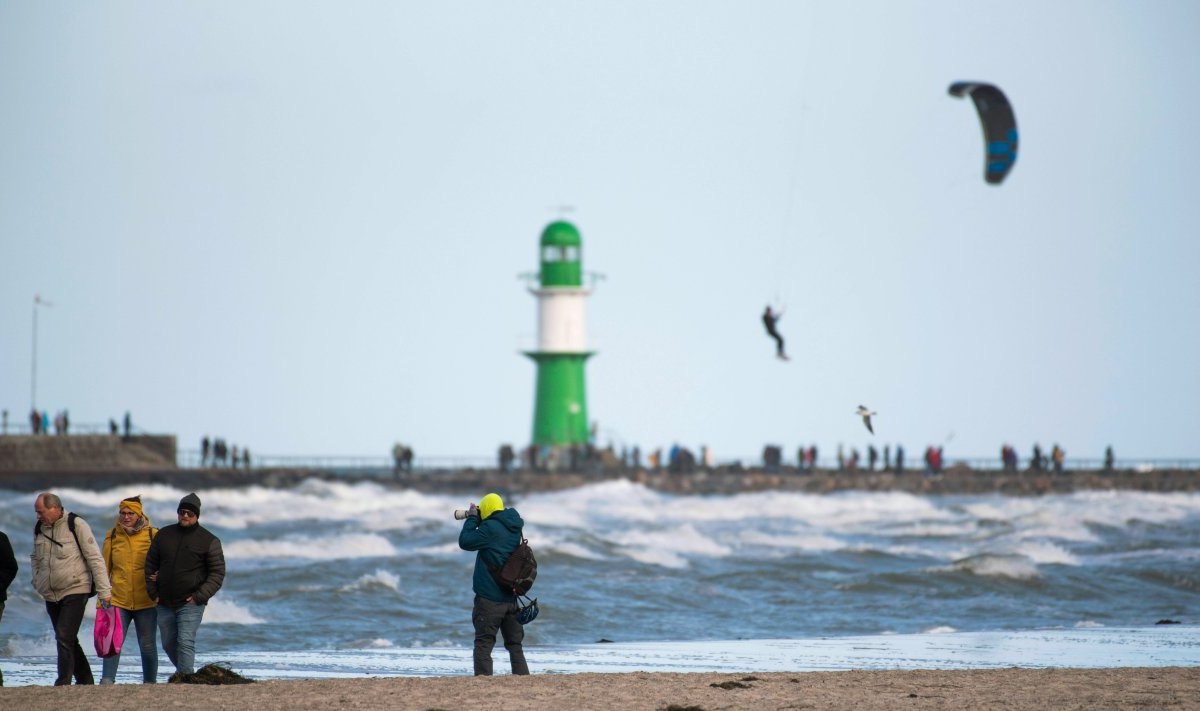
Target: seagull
x=866, y=415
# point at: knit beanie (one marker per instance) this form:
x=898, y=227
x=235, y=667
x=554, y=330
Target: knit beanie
x=134, y=504
x=191, y=502
x=489, y=505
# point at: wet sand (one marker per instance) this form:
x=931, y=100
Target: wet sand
x=1039, y=689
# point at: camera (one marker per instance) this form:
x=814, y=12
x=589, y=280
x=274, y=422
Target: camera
x=460, y=514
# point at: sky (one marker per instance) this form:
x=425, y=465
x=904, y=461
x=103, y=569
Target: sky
x=300, y=226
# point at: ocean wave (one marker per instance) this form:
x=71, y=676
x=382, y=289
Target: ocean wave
x=620, y=503
x=436, y=644
x=380, y=579
x=786, y=543
x=667, y=547
x=572, y=550
x=1045, y=553
x=350, y=545
x=223, y=611
x=375, y=643
x=1018, y=567
x=30, y=646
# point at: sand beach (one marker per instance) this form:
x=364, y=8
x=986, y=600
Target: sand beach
x=1176, y=687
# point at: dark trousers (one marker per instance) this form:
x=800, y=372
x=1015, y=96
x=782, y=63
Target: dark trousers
x=66, y=615
x=488, y=617
x=778, y=342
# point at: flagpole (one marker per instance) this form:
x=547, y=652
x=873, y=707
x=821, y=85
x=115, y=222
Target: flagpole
x=37, y=301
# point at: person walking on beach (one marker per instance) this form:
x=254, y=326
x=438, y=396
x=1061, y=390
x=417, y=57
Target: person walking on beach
x=8, y=571
x=185, y=567
x=494, y=532
x=125, y=549
x=769, y=319
x=67, y=566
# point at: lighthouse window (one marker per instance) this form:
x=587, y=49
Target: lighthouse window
x=572, y=254
x=551, y=253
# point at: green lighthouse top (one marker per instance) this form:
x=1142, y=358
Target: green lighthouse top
x=561, y=256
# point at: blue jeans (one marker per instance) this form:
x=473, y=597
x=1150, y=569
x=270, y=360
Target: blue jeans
x=146, y=622
x=178, y=627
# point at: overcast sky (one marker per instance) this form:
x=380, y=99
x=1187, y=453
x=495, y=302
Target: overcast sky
x=299, y=225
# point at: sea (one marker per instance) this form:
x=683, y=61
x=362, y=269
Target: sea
x=344, y=579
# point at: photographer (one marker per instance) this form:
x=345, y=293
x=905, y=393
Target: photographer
x=494, y=532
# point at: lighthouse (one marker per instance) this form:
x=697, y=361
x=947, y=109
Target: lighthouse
x=560, y=416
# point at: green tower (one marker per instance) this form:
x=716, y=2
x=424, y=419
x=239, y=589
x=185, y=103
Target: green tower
x=560, y=416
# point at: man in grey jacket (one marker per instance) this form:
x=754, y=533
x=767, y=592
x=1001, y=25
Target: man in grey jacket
x=66, y=564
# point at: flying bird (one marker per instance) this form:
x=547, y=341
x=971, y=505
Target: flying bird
x=866, y=415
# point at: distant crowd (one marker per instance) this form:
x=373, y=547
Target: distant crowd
x=40, y=423
x=216, y=453
x=679, y=459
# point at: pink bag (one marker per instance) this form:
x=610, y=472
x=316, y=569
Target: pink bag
x=109, y=633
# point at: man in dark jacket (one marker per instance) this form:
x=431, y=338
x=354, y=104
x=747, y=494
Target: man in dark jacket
x=8, y=571
x=495, y=532
x=184, y=569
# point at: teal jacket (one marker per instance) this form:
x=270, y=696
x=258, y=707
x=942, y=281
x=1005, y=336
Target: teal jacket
x=495, y=539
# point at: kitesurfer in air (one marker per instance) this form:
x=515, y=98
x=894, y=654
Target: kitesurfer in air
x=769, y=319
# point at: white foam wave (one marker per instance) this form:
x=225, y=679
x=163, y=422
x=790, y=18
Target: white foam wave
x=1045, y=553
x=375, y=506
x=812, y=542
x=377, y=643
x=667, y=547
x=598, y=521
x=374, y=581
x=1087, y=624
x=573, y=550
x=1002, y=566
x=916, y=551
x=222, y=611
x=617, y=503
x=351, y=545
x=943, y=629
x=445, y=549
x=436, y=644
x=29, y=646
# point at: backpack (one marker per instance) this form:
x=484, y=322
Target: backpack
x=518, y=572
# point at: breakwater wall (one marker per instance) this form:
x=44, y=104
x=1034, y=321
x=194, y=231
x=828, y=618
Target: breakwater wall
x=86, y=453
x=476, y=482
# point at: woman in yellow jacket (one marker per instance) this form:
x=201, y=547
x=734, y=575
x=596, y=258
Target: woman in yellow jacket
x=125, y=549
